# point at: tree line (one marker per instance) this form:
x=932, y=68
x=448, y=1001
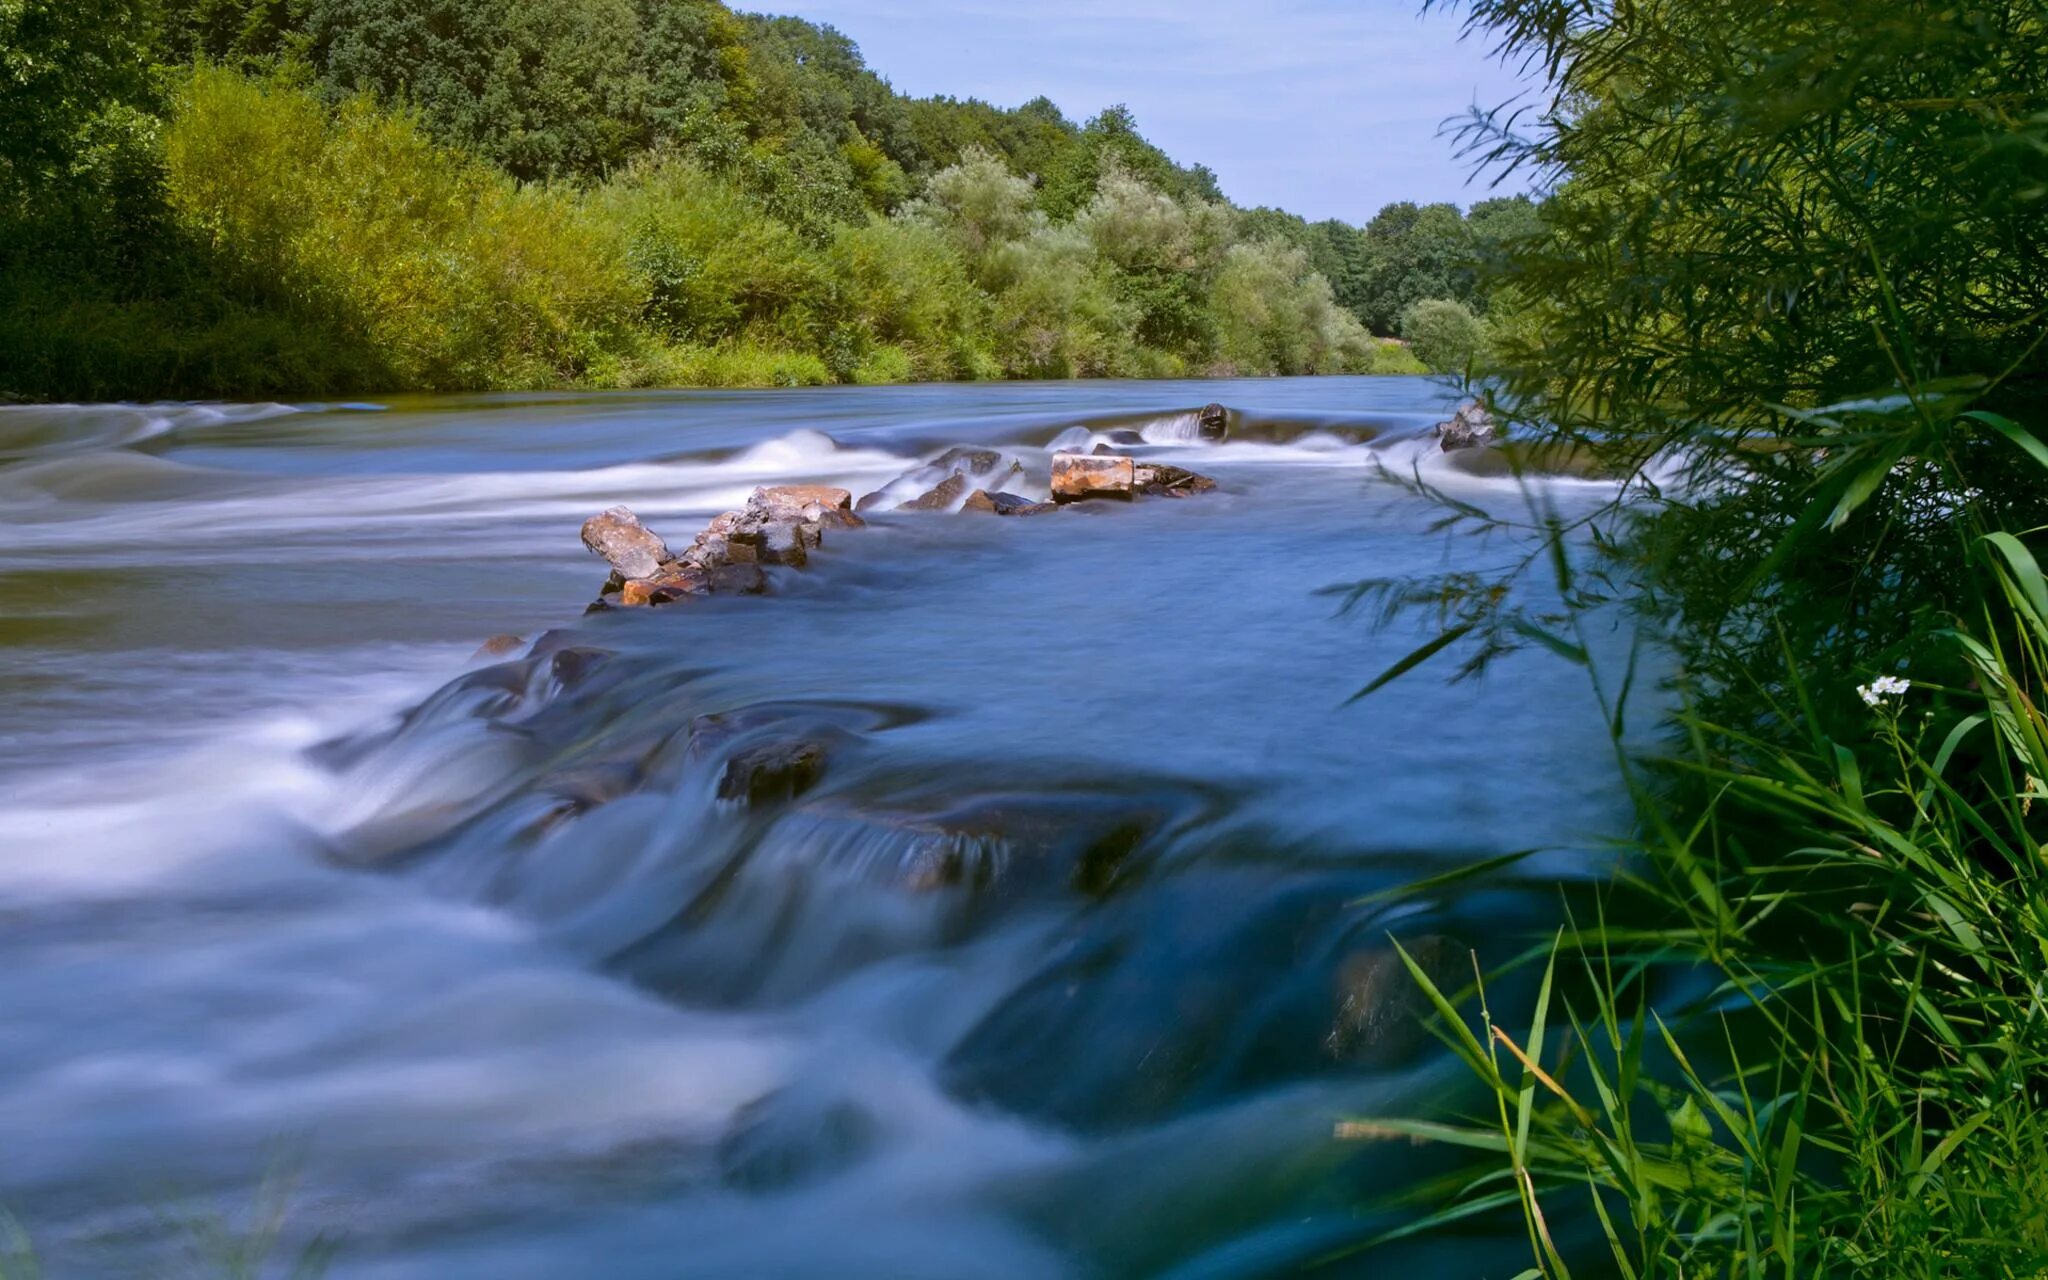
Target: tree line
x=242, y=197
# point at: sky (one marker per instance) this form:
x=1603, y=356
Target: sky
x=1328, y=108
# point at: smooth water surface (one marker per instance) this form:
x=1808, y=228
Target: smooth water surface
x=1059, y=970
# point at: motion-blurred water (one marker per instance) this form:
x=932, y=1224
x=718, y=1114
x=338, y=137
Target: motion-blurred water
x=1047, y=976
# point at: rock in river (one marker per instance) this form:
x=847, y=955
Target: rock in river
x=1004, y=504
x=940, y=497
x=1079, y=475
x=770, y=771
x=1158, y=480
x=633, y=549
x=1212, y=422
x=1471, y=427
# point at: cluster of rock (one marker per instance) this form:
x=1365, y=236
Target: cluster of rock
x=1471, y=427
x=783, y=524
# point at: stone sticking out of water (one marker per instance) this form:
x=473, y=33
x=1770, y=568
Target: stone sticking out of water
x=940, y=497
x=1004, y=504
x=630, y=547
x=1158, y=480
x=1079, y=475
x=1471, y=427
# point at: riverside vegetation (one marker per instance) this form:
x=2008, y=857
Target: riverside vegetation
x=241, y=197
x=1798, y=254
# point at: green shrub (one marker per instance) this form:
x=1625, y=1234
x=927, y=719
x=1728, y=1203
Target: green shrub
x=1445, y=336
x=906, y=287
x=1274, y=315
x=355, y=222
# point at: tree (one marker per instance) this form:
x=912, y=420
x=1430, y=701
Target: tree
x=66, y=67
x=1443, y=334
x=1414, y=252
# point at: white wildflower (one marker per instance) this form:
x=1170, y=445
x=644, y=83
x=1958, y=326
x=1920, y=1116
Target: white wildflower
x=1881, y=688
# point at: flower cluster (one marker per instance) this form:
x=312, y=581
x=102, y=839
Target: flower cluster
x=1881, y=688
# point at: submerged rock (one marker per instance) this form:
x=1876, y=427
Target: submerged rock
x=795, y=1137
x=1381, y=1009
x=739, y=580
x=1471, y=427
x=772, y=771
x=1080, y=475
x=1212, y=422
x=500, y=646
x=1005, y=504
x=632, y=549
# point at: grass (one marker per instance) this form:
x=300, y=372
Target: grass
x=1857, y=1086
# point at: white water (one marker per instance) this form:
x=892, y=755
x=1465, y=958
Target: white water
x=541, y=1046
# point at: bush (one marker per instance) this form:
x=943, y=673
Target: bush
x=1276, y=316
x=355, y=223
x=905, y=287
x=1445, y=336
x=713, y=262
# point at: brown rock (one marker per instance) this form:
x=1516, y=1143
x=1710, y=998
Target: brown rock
x=710, y=551
x=835, y=518
x=795, y=497
x=975, y=462
x=631, y=547
x=497, y=647
x=738, y=579
x=1078, y=475
x=1159, y=480
x=762, y=540
x=673, y=582
x=941, y=497
x=1004, y=504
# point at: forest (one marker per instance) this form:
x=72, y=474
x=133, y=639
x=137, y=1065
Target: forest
x=269, y=197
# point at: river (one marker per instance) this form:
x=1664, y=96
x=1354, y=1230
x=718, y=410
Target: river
x=1060, y=968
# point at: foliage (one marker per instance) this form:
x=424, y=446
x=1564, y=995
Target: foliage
x=1444, y=335
x=370, y=195
x=69, y=69
x=1790, y=279
x=1861, y=1092
x=445, y=272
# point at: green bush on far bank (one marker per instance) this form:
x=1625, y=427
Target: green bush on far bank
x=263, y=241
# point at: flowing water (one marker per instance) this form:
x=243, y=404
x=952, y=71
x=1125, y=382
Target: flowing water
x=1059, y=969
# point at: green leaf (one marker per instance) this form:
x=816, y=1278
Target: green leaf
x=1414, y=659
x=2013, y=431
x=1557, y=644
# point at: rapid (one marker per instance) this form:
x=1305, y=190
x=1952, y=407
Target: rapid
x=1068, y=964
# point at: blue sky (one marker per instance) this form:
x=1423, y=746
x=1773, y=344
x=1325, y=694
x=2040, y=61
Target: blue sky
x=1330, y=108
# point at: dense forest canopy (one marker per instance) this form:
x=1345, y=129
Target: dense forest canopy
x=518, y=192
